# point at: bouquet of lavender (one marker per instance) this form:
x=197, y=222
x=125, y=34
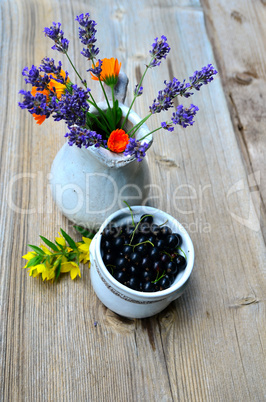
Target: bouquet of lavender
x=54, y=94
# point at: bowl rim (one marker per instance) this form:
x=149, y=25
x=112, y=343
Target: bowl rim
x=174, y=288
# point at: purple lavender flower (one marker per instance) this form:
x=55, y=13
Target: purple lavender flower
x=90, y=53
x=202, y=77
x=82, y=137
x=87, y=34
x=184, y=116
x=167, y=126
x=48, y=66
x=97, y=70
x=165, y=97
x=160, y=49
x=36, y=104
x=57, y=35
x=28, y=102
x=138, y=90
x=34, y=78
x=135, y=148
x=73, y=107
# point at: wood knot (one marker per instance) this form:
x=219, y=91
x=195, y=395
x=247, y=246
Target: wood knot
x=243, y=78
x=245, y=301
x=166, y=162
x=118, y=323
x=237, y=16
x=119, y=14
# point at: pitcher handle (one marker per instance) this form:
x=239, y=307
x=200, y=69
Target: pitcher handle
x=120, y=89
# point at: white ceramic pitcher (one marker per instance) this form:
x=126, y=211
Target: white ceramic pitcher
x=90, y=184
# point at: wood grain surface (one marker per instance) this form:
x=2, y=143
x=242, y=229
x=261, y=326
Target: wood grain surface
x=58, y=342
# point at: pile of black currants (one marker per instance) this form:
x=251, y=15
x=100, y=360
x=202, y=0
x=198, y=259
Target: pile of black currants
x=143, y=256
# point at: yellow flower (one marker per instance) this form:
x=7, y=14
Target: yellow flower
x=29, y=256
x=72, y=267
x=110, y=71
x=84, y=249
x=46, y=250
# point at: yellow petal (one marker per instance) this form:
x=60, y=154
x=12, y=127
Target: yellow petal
x=45, y=249
x=66, y=267
x=29, y=255
x=40, y=268
x=84, y=247
x=60, y=240
x=74, y=272
x=86, y=240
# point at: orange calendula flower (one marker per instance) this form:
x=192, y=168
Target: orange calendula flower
x=110, y=71
x=59, y=88
x=118, y=140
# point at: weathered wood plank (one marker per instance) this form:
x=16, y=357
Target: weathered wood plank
x=237, y=32
x=209, y=344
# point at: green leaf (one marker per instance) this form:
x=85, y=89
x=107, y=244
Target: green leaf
x=49, y=243
x=37, y=250
x=34, y=261
x=84, y=232
x=98, y=122
x=110, y=117
x=60, y=245
x=118, y=115
x=69, y=239
x=58, y=270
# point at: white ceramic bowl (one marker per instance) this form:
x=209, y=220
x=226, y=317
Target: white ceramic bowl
x=123, y=300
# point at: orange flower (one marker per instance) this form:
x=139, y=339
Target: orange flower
x=118, y=140
x=110, y=71
x=59, y=88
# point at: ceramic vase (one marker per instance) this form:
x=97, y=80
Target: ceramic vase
x=90, y=184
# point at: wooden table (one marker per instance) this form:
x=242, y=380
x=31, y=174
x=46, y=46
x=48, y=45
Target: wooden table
x=209, y=344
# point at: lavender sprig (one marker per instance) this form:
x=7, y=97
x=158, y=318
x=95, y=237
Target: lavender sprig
x=135, y=148
x=202, y=77
x=183, y=117
x=73, y=107
x=96, y=70
x=57, y=35
x=34, y=78
x=36, y=104
x=87, y=34
x=138, y=91
x=160, y=49
x=80, y=136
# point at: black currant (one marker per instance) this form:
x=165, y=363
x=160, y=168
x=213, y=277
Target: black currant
x=120, y=276
x=165, y=231
x=172, y=241
x=147, y=219
x=148, y=287
x=180, y=262
x=134, y=283
x=171, y=268
x=155, y=253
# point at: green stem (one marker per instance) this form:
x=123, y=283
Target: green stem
x=74, y=68
x=114, y=108
x=100, y=111
x=137, y=126
x=132, y=103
